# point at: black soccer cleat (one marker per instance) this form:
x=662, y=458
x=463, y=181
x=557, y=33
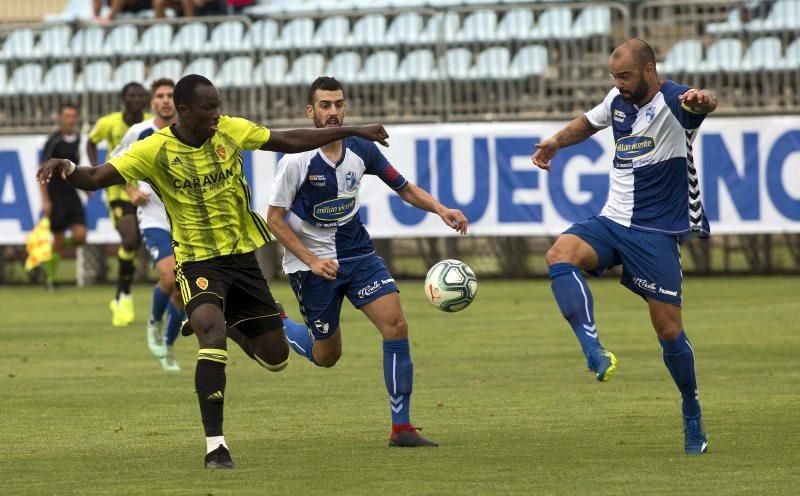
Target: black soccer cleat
x=219, y=459
x=410, y=438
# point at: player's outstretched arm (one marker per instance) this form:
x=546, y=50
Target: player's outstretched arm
x=698, y=101
x=423, y=200
x=278, y=227
x=579, y=129
x=85, y=178
x=301, y=140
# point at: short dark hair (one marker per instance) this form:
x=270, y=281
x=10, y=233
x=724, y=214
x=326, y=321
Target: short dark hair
x=185, y=88
x=132, y=84
x=645, y=54
x=67, y=105
x=325, y=83
x=161, y=82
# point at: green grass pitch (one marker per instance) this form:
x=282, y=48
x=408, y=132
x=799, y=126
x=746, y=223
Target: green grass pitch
x=502, y=386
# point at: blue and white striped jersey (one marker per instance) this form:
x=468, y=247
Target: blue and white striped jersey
x=654, y=184
x=322, y=199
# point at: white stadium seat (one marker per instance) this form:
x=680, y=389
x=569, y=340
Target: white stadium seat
x=457, y=63
x=204, y=66
x=19, y=44
x=333, y=31
x=59, y=79
x=344, y=66
x=763, y=54
x=784, y=15
x=128, y=72
x=592, y=21
x=380, y=67
x=88, y=41
x=166, y=68
x=724, y=55
x=53, y=42
x=262, y=34
x=529, y=61
x=306, y=68
x=791, y=60
x=492, y=63
x=25, y=79
x=515, y=25
x=418, y=65
x=478, y=26
x=684, y=56
x=227, y=36
x=297, y=33
x=732, y=24
x=96, y=76
x=406, y=28
x=121, y=40
x=191, y=38
x=271, y=70
x=156, y=39
x=3, y=79
x=74, y=10
x=235, y=72
x=555, y=22
x=368, y=30
x=444, y=25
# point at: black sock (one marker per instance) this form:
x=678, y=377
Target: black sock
x=126, y=269
x=209, y=381
x=242, y=341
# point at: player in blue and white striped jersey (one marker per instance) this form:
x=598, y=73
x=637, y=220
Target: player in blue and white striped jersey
x=313, y=211
x=653, y=206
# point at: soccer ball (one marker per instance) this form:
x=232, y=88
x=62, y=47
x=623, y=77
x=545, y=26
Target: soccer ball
x=451, y=285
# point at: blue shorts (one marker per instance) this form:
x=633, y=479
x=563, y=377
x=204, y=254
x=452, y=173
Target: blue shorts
x=651, y=262
x=158, y=242
x=362, y=281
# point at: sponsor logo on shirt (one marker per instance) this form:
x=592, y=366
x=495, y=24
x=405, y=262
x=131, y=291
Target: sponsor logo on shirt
x=619, y=115
x=212, y=181
x=635, y=147
x=316, y=180
x=336, y=209
x=645, y=284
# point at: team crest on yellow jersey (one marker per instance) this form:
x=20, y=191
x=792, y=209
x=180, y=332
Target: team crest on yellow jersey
x=221, y=153
x=202, y=283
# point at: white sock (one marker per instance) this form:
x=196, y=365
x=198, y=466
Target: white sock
x=213, y=443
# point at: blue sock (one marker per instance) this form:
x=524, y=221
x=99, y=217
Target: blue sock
x=174, y=319
x=398, y=372
x=576, y=304
x=299, y=338
x=679, y=359
x=160, y=301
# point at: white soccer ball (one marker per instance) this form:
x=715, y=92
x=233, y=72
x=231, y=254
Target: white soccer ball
x=451, y=285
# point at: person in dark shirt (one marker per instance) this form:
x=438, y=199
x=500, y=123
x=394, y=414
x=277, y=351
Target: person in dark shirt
x=60, y=200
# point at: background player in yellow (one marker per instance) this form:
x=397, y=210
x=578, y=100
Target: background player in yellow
x=111, y=128
x=195, y=167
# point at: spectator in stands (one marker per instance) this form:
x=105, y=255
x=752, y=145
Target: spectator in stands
x=191, y=8
x=120, y=6
x=757, y=9
x=60, y=200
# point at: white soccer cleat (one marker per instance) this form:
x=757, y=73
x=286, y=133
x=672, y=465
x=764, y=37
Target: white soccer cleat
x=168, y=362
x=155, y=339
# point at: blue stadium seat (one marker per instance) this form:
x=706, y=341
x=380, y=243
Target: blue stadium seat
x=53, y=42
x=592, y=21
x=128, y=71
x=344, y=66
x=684, y=56
x=555, y=22
x=480, y=25
x=88, y=41
x=784, y=15
x=517, y=24
x=763, y=54
x=368, y=30
x=190, y=38
x=156, y=40
x=59, y=79
x=271, y=70
x=205, y=66
x=306, y=69
x=732, y=24
x=262, y=34
x=227, y=36
x=96, y=77
x=492, y=63
x=418, y=65
x=121, y=40
x=406, y=29
x=332, y=31
x=529, y=61
x=456, y=63
x=235, y=72
x=166, y=68
x=381, y=66
x=724, y=55
x=18, y=44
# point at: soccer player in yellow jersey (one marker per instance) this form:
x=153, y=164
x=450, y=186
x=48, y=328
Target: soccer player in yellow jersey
x=111, y=128
x=195, y=167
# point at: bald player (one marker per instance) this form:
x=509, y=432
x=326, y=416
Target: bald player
x=653, y=207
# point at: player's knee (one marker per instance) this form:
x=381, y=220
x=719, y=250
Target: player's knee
x=396, y=330
x=557, y=254
x=79, y=238
x=328, y=360
x=667, y=327
x=166, y=282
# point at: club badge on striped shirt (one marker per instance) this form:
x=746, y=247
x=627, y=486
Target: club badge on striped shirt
x=221, y=153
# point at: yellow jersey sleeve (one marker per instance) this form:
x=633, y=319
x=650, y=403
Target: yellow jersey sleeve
x=137, y=162
x=248, y=135
x=101, y=129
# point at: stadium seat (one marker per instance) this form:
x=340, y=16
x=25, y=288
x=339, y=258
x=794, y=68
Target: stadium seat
x=381, y=66
x=96, y=76
x=166, y=68
x=74, y=10
x=58, y=79
x=684, y=56
x=88, y=41
x=529, y=61
x=763, y=54
x=418, y=65
x=441, y=24
x=457, y=63
x=344, y=66
x=724, y=55
x=19, y=44
x=3, y=79
x=478, y=26
x=515, y=25
x=305, y=69
x=121, y=40
x=784, y=15
x=53, y=42
x=332, y=31
x=555, y=22
x=492, y=63
x=236, y=72
x=368, y=30
x=732, y=24
x=591, y=21
x=205, y=66
x=26, y=79
x=227, y=36
x=156, y=39
x=297, y=33
x=127, y=72
x=191, y=38
x=791, y=60
x=406, y=28
x=262, y=34
x=271, y=70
